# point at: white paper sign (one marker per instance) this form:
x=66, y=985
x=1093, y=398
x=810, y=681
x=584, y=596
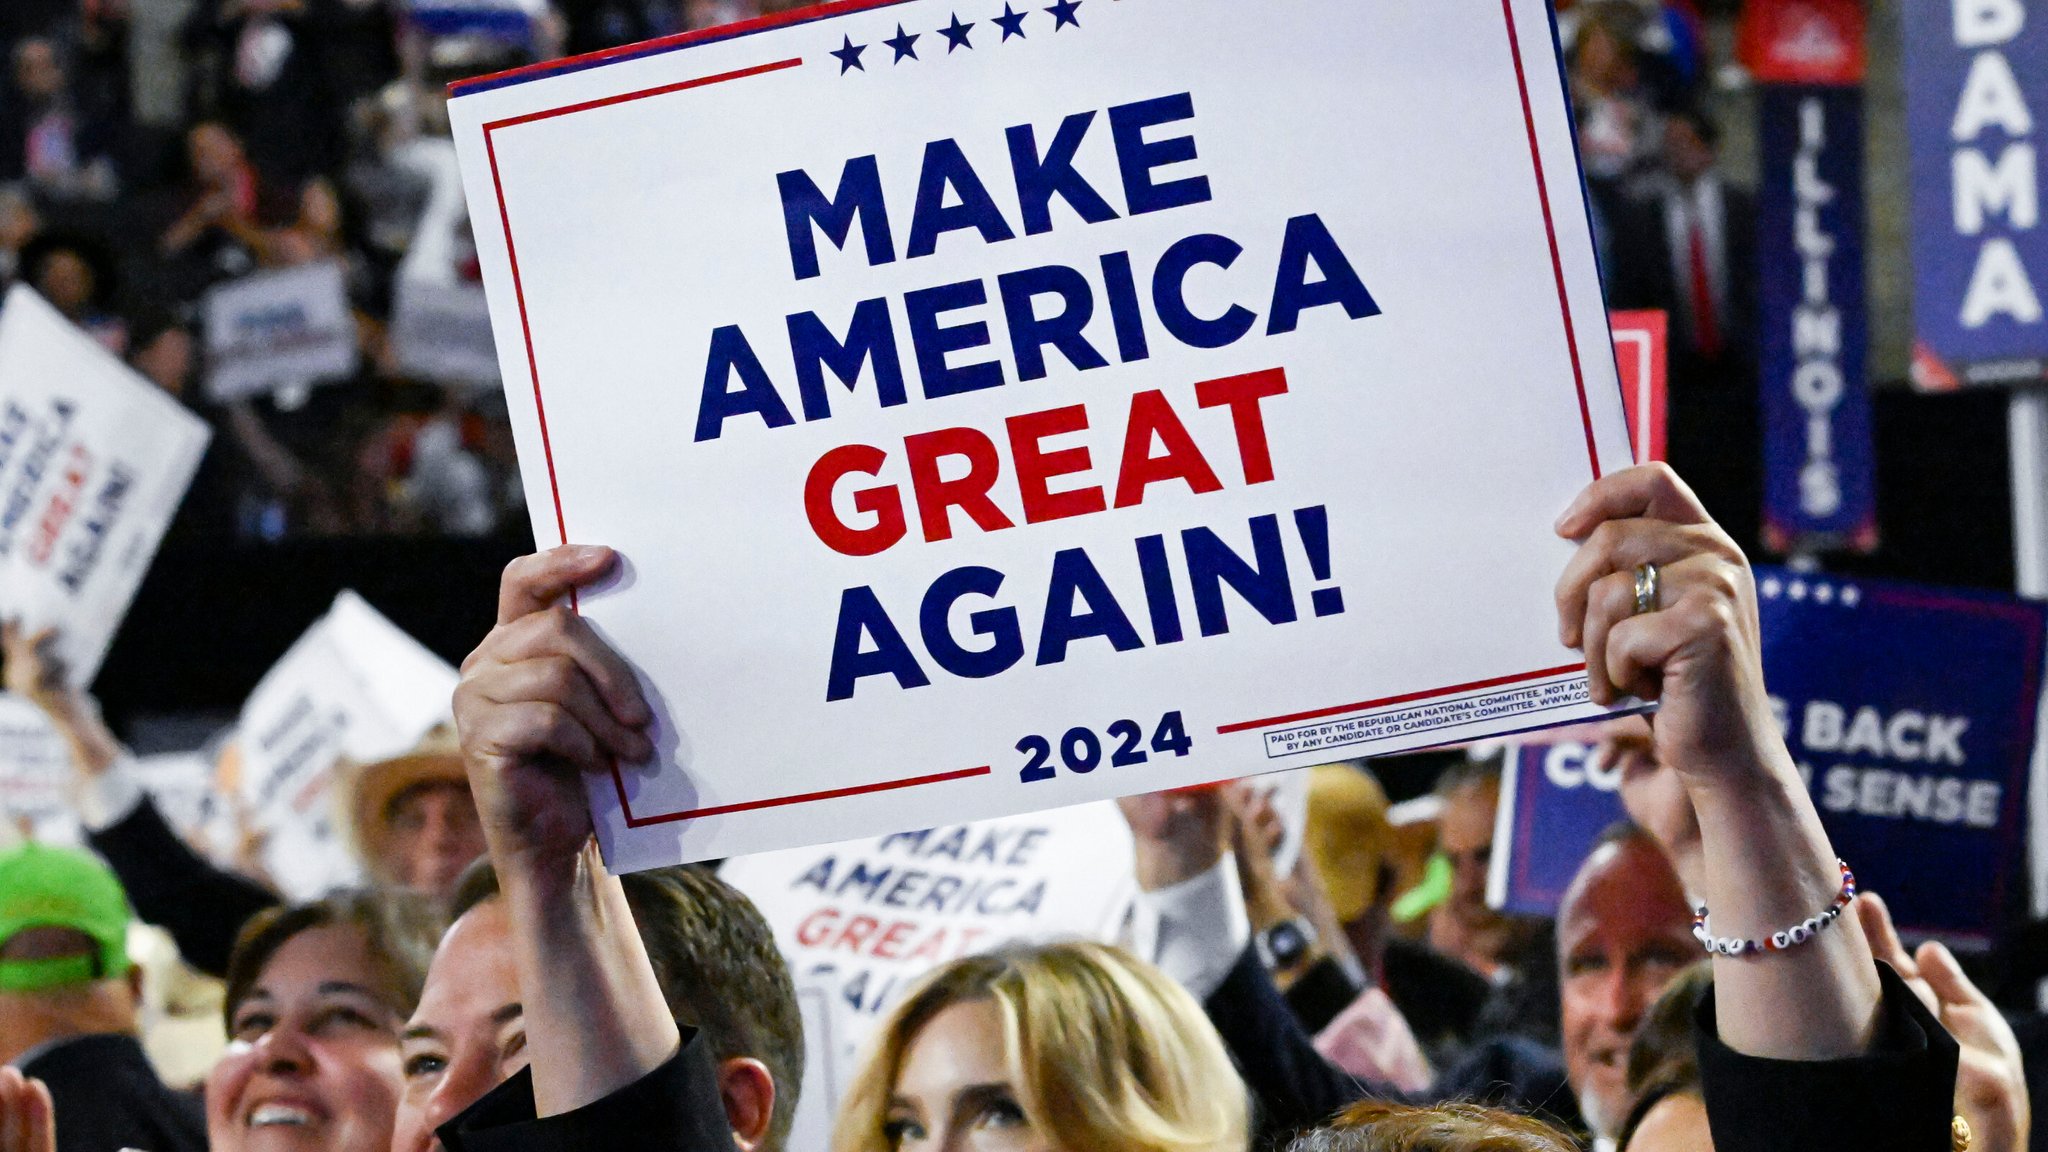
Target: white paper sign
x=35, y=775
x=274, y=329
x=1218, y=372
x=94, y=461
x=442, y=332
x=860, y=921
x=441, y=323
x=353, y=686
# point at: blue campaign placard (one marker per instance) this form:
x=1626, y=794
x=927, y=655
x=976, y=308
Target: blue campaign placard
x=1976, y=82
x=1911, y=712
x=1819, y=461
x=1555, y=801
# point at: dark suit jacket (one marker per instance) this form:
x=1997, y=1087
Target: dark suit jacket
x=675, y=1108
x=107, y=1098
x=201, y=906
x=1901, y=1095
x=1642, y=271
x=1898, y=1096
x=1294, y=1088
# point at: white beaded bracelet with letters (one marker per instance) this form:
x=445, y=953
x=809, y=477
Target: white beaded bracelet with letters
x=1779, y=941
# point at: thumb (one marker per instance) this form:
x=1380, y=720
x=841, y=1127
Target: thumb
x=1938, y=966
x=1876, y=918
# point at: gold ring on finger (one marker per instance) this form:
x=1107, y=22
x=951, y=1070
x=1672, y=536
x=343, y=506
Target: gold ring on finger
x=1647, y=588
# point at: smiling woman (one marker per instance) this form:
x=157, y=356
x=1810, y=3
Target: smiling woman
x=1052, y=1048
x=316, y=994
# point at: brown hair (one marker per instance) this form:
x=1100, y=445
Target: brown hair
x=1375, y=1126
x=716, y=961
x=1107, y=1053
x=400, y=929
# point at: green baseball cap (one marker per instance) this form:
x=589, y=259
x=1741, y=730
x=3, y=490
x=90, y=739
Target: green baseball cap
x=44, y=886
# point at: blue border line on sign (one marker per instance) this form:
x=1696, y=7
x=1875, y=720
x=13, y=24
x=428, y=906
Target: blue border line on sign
x=677, y=42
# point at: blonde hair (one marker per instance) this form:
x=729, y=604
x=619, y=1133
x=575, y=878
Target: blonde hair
x=1107, y=1054
x=1375, y=1126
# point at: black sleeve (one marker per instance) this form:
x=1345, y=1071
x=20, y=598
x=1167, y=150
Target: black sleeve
x=1900, y=1095
x=675, y=1108
x=1320, y=994
x=200, y=905
x=1291, y=1084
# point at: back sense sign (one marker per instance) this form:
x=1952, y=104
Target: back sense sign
x=1005, y=408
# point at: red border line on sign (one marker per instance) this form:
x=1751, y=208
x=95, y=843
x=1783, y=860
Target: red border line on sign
x=848, y=7
x=1404, y=698
x=633, y=821
x=1564, y=304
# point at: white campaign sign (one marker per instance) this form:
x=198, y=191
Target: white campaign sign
x=94, y=461
x=35, y=774
x=352, y=686
x=860, y=921
x=274, y=329
x=1001, y=410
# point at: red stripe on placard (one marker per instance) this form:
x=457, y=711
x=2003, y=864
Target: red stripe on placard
x=526, y=332
x=1571, y=336
x=663, y=90
x=633, y=821
x=1404, y=698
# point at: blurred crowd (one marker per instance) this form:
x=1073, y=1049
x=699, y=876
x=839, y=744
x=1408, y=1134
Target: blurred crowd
x=154, y=150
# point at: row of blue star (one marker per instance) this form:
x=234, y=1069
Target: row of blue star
x=904, y=44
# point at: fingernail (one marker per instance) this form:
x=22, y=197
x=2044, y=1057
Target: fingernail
x=585, y=552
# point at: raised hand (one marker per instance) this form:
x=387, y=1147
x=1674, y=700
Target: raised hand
x=1698, y=652
x=28, y=1122
x=542, y=701
x=1991, y=1085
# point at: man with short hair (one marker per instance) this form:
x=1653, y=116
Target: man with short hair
x=68, y=1006
x=1624, y=932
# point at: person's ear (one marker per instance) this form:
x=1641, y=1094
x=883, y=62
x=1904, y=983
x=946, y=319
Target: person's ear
x=748, y=1090
x=135, y=983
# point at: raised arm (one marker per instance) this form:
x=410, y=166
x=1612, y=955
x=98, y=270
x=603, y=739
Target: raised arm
x=1694, y=647
x=201, y=905
x=542, y=701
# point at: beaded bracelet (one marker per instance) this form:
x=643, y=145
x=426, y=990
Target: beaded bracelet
x=1790, y=938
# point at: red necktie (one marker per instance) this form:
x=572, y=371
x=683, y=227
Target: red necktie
x=1706, y=329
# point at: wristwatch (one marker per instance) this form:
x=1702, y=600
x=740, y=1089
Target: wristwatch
x=1285, y=944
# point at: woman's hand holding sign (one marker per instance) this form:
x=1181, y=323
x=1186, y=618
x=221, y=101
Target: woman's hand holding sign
x=1694, y=647
x=1662, y=603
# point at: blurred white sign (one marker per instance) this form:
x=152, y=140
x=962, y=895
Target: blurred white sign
x=860, y=921
x=35, y=775
x=94, y=460
x=291, y=327
x=353, y=686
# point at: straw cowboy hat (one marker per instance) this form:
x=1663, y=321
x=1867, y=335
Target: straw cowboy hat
x=370, y=790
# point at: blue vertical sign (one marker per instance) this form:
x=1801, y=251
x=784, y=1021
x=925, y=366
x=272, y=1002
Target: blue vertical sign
x=1555, y=801
x=1820, y=487
x=1976, y=84
x=1910, y=712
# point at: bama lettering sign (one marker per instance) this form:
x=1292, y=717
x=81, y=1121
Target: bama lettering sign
x=1910, y=712
x=1000, y=410
x=1976, y=81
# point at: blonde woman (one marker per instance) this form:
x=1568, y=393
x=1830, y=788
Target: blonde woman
x=1054, y=1048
